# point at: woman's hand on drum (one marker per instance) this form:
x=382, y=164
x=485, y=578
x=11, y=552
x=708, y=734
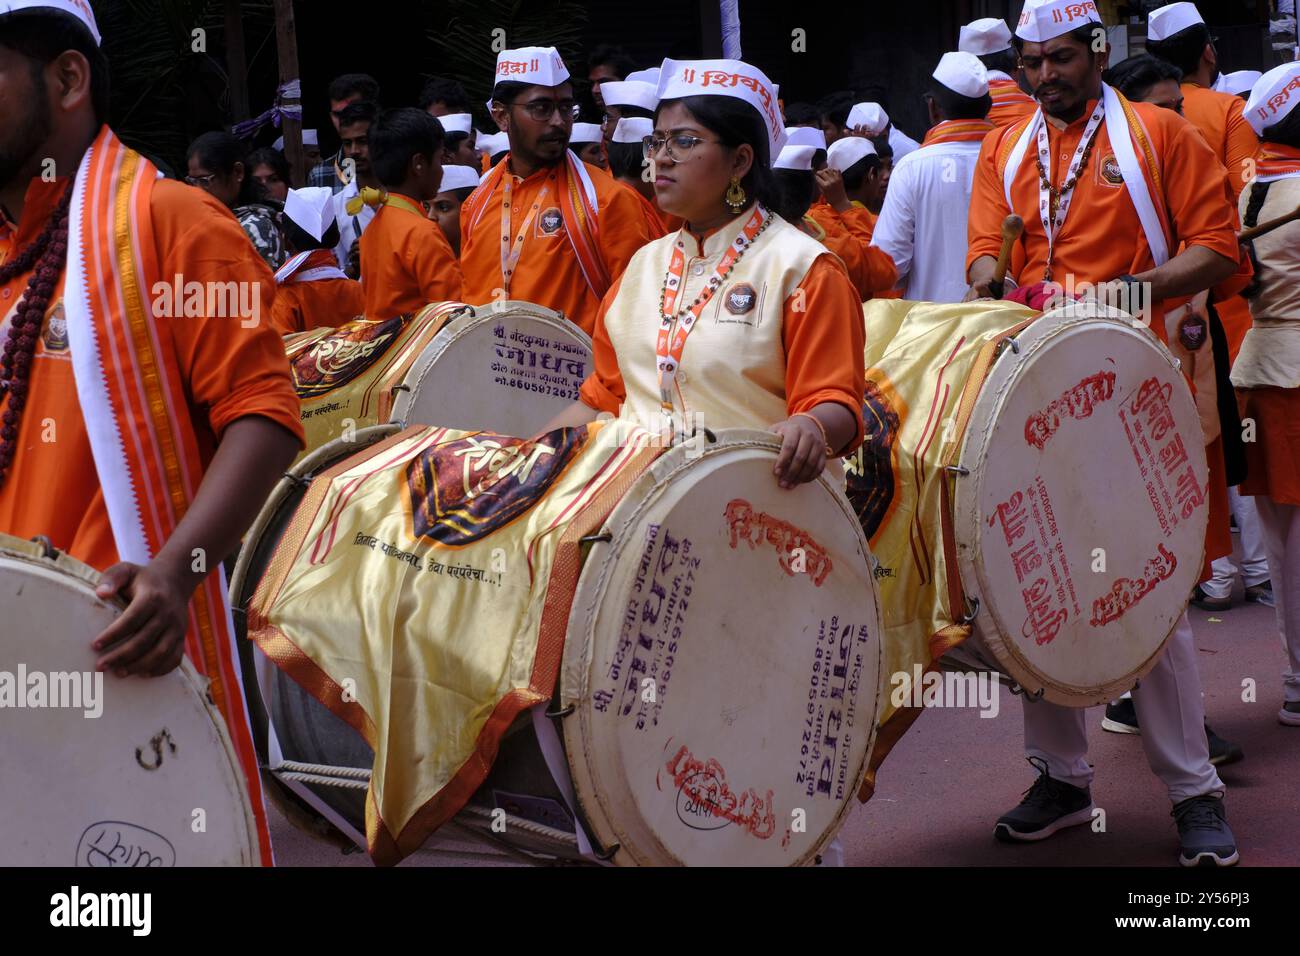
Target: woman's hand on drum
x=149, y=636
x=803, y=451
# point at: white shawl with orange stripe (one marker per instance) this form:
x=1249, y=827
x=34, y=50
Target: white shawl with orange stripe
x=133, y=400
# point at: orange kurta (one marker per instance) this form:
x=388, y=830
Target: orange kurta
x=848, y=235
x=821, y=363
x=548, y=272
x=319, y=303
x=1102, y=238
x=406, y=263
x=1011, y=104
x=653, y=220
x=229, y=371
x=1220, y=118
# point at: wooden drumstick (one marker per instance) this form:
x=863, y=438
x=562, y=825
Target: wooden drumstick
x=1246, y=235
x=1012, y=227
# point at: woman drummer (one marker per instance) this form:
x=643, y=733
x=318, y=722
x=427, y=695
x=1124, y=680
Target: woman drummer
x=738, y=319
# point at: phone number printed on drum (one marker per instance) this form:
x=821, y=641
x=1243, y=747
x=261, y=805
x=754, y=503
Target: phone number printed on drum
x=1161, y=456
x=832, y=709
x=653, y=626
x=534, y=363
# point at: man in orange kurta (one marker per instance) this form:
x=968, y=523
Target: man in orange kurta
x=853, y=181
x=1101, y=238
x=990, y=40
x=525, y=233
x=406, y=261
x=311, y=290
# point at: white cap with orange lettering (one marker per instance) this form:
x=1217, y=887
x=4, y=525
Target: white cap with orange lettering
x=77, y=8
x=1043, y=20
x=534, y=65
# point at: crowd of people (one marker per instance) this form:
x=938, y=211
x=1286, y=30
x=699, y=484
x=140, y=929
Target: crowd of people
x=691, y=187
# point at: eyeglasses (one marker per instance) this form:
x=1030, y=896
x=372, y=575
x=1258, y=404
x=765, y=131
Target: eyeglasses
x=679, y=146
x=203, y=182
x=542, y=110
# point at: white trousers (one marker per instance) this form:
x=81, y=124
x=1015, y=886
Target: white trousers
x=1254, y=560
x=1169, y=710
x=1280, y=525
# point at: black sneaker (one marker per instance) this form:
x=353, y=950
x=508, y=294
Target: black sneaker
x=1222, y=751
x=1206, y=603
x=1203, y=832
x=1121, y=717
x=1261, y=593
x=1049, y=805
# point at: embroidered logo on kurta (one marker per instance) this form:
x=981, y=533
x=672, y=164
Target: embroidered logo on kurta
x=463, y=490
x=550, y=221
x=1110, y=171
x=55, y=337
x=740, y=299
x=340, y=357
x=870, y=469
x=1192, y=332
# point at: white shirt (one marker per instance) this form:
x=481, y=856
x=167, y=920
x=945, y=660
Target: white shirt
x=901, y=143
x=350, y=227
x=923, y=222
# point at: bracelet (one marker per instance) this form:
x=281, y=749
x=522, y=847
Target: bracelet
x=830, y=452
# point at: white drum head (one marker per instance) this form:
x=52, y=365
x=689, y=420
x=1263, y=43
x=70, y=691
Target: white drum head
x=723, y=655
x=152, y=781
x=1081, y=526
x=508, y=369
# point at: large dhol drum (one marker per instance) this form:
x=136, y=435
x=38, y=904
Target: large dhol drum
x=347, y=377
x=102, y=771
x=704, y=667
x=508, y=368
x=1042, y=480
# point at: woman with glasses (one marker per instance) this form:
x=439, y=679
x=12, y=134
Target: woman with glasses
x=218, y=164
x=544, y=226
x=739, y=319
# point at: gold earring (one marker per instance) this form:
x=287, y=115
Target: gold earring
x=735, y=197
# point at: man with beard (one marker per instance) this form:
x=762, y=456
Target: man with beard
x=544, y=226
x=1083, y=160
x=172, y=424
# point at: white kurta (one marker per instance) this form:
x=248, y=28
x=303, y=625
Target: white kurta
x=922, y=225
x=901, y=143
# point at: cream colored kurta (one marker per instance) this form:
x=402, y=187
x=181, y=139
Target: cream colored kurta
x=733, y=367
x=1270, y=352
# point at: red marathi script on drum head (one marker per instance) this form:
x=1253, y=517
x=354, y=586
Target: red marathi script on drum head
x=463, y=490
x=340, y=357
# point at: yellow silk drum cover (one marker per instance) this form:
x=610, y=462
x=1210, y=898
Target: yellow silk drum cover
x=346, y=377
x=718, y=639
x=101, y=771
x=723, y=663
x=509, y=368
x=1081, y=525
x=1034, y=488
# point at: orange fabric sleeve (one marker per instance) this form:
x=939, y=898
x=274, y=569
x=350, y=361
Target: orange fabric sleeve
x=233, y=367
x=435, y=268
x=859, y=222
x=623, y=227
x=988, y=202
x=1196, y=200
x=869, y=267
x=825, y=340
x=603, y=389
x=287, y=310
x=1242, y=147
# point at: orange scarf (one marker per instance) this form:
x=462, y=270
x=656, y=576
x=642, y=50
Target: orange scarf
x=578, y=206
x=1277, y=160
x=1005, y=92
x=135, y=406
x=958, y=131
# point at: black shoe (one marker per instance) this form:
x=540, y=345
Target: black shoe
x=1121, y=717
x=1049, y=805
x=1203, y=832
x=1206, y=603
x=1261, y=593
x=1222, y=751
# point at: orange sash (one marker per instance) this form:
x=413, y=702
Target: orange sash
x=958, y=131
x=578, y=206
x=1277, y=161
x=134, y=402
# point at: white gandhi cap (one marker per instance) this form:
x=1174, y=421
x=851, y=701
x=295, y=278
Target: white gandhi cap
x=1170, y=19
x=870, y=115
x=457, y=177
x=311, y=208
x=843, y=153
x=963, y=73
x=984, y=36
x=1043, y=20
x=76, y=8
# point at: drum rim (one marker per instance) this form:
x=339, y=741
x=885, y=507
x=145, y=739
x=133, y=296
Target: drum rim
x=579, y=644
x=1004, y=374
x=460, y=324
x=82, y=579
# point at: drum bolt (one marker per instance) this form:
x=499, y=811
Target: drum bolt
x=1014, y=346
x=973, y=603
x=592, y=538
x=604, y=855
x=399, y=388
x=957, y=470
x=1033, y=698
x=562, y=713
x=51, y=552
x=298, y=480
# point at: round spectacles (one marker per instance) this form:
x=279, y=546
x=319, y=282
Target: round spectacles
x=542, y=110
x=679, y=146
